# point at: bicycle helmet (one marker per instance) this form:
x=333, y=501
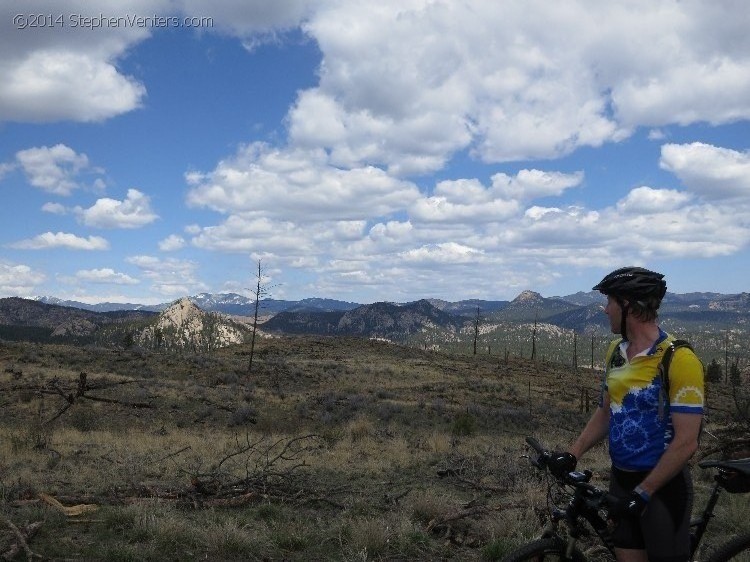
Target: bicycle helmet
x=636, y=284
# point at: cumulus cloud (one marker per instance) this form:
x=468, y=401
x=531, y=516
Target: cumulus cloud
x=256, y=21
x=18, y=279
x=51, y=86
x=267, y=182
x=105, y=276
x=532, y=184
x=648, y=200
x=172, y=243
x=134, y=212
x=169, y=277
x=66, y=71
x=54, y=208
x=53, y=169
x=66, y=240
x=710, y=171
x=407, y=84
x=446, y=252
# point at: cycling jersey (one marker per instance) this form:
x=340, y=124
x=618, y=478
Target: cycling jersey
x=638, y=434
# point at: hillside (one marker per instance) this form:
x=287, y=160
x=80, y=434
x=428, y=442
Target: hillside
x=33, y=320
x=330, y=448
x=185, y=326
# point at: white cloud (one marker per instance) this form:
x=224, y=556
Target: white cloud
x=172, y=243
x=407, y=84
x=6, y=168
x=169, y=277
x=105, y=276
x=710, y=171
x=134, y=212
x=61, y=240
x=19, y=280
x=256, y=20
x=300, y=185
x=447, y=252
x=648, y=200
x=54, y=208
x=48, y=85
x=53, y=169
x=66, y=71
x=532, y=184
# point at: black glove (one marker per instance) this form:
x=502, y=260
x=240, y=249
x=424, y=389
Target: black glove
x=560, y=463
x=631, y=506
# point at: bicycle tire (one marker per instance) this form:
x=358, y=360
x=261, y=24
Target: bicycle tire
x=728, y=550
x=544, y=549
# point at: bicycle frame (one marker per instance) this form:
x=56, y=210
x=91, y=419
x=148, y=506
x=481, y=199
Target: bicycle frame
x=586, y=502
x=699, y=524
x=584, y=505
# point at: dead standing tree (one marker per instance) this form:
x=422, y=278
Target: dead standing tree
x=477, y=319
x=260, y=291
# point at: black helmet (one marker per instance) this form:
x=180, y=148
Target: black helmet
x=635, y=283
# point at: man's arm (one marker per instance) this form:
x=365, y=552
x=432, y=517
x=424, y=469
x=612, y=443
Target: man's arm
x=596, y=430
x=685, y=442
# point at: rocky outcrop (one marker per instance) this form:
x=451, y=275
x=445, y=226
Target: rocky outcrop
x=185, y=326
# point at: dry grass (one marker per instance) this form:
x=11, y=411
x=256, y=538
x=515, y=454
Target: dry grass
x=352, y=449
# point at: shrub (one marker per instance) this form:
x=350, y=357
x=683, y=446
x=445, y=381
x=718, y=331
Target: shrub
x=83, y=418
x=464, y=424
x=242, y=415
x=361, y=429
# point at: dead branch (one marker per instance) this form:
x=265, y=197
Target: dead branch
x=82, y=387
x=244, y=449
x=22, y=544
x=456, y=515
x=217, y=405
x=169, y=456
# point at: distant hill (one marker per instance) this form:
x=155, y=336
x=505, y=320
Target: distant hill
x=530, y=306
x=29, y=319
x=428, y=320
x=381, y=319
x=183, y=325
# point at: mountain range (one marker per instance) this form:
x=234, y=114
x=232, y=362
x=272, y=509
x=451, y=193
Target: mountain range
x=434, y=319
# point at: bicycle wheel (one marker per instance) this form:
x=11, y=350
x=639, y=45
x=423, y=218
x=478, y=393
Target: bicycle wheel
x=737, y=549
x=544, y=549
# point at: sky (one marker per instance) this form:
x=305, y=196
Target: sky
x=371, y=151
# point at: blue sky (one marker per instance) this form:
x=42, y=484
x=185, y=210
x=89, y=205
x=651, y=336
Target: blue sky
x=371, y=151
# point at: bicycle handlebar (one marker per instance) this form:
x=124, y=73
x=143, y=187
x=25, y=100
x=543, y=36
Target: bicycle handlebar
x=579, y=480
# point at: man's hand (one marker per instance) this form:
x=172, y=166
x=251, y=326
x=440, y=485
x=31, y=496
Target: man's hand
x=631, y=506
x=560, y=463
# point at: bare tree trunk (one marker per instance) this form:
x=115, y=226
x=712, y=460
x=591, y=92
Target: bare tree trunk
x=259, y=291
x=476, y=331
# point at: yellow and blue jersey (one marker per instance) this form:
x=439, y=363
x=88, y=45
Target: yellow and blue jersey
x=638, y=432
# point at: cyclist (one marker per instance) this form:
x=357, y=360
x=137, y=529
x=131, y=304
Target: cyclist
x=651, y=437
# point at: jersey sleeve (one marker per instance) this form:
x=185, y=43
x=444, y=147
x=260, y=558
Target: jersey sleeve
x=686, y=386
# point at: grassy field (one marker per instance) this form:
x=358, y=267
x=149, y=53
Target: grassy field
x=331, y=449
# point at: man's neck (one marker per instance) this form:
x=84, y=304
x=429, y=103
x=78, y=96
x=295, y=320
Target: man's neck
x=641, y=336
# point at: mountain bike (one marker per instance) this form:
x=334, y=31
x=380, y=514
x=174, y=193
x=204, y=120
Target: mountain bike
x=587, y=510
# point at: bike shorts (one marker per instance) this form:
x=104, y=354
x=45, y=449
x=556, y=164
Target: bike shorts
x=663, y=529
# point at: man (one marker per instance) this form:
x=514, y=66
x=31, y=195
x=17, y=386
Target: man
x=651, y=437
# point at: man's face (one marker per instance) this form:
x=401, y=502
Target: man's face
x=613, y=310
